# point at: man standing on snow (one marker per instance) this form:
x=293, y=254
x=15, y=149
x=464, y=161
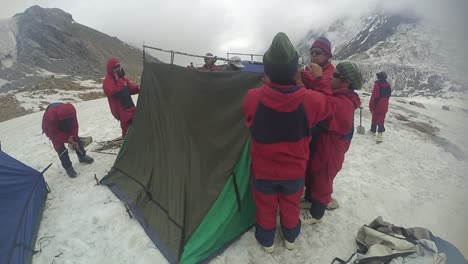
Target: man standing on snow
x=320, y=54
x=333, y=141
x=210, y=61
x=279, y=116
x=119, y=91
x=60, y=125
x=378, y=105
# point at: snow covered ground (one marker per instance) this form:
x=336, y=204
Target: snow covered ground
x=410, y=180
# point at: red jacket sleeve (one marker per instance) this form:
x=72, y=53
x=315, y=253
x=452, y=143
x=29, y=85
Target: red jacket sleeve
x=375, y=94
x=74, y=129
x=318, y=106
x=321, y=84
x=249, y=105
x=134, y=89
x=110, y=87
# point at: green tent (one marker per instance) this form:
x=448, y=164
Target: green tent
x=184, y=167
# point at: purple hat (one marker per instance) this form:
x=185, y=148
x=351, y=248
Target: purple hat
x=324, y=44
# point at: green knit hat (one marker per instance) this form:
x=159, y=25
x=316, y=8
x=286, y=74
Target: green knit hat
x=351, y=72
x=281, y=60
x=281, y=50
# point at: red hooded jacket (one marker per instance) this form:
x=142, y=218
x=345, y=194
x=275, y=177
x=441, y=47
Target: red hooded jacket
x=112, y=86
x=279, y=118
x=381, y=93
x=327, y=74
x=55, y=113
x=337, y=131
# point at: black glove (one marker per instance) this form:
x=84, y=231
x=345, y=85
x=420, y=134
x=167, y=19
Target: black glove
x=121, y=73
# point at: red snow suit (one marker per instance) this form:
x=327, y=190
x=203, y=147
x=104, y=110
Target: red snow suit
x=55, y=113
x=118, y=92
x=213, y=68
x=279, y=118
x=331, y=145
x=327, y=74
x=378, y=104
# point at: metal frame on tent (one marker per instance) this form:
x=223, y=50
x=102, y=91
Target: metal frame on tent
x=173, y=53
x=245, y=54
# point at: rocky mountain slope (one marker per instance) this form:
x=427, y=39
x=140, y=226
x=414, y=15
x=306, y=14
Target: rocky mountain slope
x=44, y=41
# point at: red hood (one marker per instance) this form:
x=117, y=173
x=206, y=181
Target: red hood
x=351, y=95
x=283, y=102
x=66, y=111
x=110, y=64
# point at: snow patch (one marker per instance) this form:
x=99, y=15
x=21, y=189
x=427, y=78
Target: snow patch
x=408, y=180
x=88, y=83
x=45, y=73
x=3, y=82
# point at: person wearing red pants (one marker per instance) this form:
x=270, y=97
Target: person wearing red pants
x=333, y=141
x=279, y=116
x=378, y=105
x=119, y=91
x=60, y=125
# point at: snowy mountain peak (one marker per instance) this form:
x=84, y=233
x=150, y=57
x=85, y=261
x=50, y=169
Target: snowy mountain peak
x=377, y=28
x=411, y=50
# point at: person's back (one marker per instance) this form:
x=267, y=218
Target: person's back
x=381, y=96
x=378, y=105
x=279, y=116
x=60, y=125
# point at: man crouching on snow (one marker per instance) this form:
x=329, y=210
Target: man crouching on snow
x=332, y=142
x=279, y=116
x=60, y=125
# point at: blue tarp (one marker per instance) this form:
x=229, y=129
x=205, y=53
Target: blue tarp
x=23, y=194
x=253, y=68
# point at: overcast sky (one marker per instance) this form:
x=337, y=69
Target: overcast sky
x=218, y=26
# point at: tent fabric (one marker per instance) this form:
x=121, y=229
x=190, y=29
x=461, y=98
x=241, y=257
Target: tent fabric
x=214, y=233
x=22, y=198
x=186, y=140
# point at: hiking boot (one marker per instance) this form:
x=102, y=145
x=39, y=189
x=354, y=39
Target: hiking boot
x=86, y=159
x=371, y=133
x=333, y=205
x=288, y=245
x=307, y=218
x=269, y=250
x=379, y=138
x=71, y=172
x=305, y=204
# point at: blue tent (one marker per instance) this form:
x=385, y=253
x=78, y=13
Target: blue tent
x=23, y=193
x=253, y=67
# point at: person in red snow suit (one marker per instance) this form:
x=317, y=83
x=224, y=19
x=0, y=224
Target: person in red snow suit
x=320, y=55
x=279, y=116
x=332, y=142
x=60, y=125
x=119, y=91
x=378, y=105
x=210, y=61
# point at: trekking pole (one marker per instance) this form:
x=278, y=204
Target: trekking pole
x=361, y=130
x=360, y=116
x=44, y=170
